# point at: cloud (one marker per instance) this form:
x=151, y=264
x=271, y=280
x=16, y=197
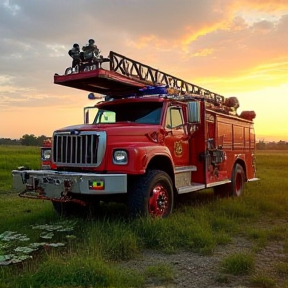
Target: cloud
x=223, y=45
x=262, y=5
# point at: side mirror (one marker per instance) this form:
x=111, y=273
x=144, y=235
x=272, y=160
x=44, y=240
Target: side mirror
x=86, y=117
x=194, y=112
x=90, y=113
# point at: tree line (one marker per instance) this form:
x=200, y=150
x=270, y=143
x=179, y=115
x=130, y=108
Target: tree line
x=281, y=145
x=32, y=140
x=25, y=140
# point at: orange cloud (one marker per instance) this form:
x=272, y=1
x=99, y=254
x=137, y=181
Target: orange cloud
x=193, y=34
x=230, y=20
x=224, y=16
x=261, y=5
x=147, y=40
x=203, y=52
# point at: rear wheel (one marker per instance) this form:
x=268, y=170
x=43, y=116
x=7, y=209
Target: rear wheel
x=222, y=191
x=236, y=187
x=238, y=179
x=151, y=194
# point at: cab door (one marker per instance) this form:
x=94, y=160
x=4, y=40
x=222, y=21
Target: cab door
x=177, y=136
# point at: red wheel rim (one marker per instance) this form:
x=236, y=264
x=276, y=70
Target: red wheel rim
x=158, y=201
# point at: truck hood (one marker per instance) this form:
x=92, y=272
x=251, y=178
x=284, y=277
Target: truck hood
x=117, y=129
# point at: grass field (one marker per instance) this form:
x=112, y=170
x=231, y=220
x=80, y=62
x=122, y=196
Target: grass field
x=88, y=252
x=12, y=157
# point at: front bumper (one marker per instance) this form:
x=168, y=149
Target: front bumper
x=55, y=185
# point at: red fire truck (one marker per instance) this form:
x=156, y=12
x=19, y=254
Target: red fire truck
x=152, y=137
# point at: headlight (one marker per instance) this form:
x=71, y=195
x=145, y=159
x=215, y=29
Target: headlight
x=46, y=154
x=120, y=157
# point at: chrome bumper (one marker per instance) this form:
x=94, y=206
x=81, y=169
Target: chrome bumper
x=49, y=184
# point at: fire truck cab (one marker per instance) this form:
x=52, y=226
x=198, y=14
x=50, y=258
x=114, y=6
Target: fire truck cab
x=151, y=137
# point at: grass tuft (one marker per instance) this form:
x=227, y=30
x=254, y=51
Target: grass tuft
x=282, y=268
x=262, y=281
x=161, y=273
x=238, y=264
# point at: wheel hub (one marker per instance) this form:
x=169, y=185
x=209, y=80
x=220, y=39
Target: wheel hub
x=159, y=201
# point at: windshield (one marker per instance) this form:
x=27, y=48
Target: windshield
x=140, y=112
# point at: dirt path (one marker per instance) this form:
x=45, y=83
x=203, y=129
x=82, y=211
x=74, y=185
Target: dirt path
x=193, y=270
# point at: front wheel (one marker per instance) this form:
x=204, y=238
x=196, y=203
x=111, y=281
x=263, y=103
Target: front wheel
x=65, y=208
x=151, y=194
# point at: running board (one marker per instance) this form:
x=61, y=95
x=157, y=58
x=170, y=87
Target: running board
x=185, y=169
x=200, y=186
x=209, y=185
x=183, y=176
x=191, y=188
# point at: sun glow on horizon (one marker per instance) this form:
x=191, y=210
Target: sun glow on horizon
x=271, y=111
x=233, y=48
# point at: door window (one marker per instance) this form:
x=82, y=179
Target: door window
x=174, y=119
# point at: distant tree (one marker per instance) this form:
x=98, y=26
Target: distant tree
x=40, y=140
x=32, y=140
x=261, y=145
x=29, y=140
x=8, y=141
x=281, y=145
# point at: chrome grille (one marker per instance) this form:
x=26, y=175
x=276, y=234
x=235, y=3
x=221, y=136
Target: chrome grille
x=75, y=150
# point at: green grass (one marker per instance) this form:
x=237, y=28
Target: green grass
x=238, y=264
x=161, y=272
x=12, y=157
x=75, y=271
x=282, y=268
x=263, y=281
x=96, y=246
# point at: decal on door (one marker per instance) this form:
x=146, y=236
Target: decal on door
x=178, y=150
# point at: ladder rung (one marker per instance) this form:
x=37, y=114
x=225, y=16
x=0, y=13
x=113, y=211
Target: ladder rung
x=152, y=76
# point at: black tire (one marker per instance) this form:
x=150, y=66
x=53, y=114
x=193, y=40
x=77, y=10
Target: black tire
x=236, y=187
x=222, y=191
x=237, y=181
x=65, y=209
x=151, y=195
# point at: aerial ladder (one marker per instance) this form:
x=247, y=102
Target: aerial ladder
x=126, y=76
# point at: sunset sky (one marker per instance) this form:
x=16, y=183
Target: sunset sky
x=231, y=47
